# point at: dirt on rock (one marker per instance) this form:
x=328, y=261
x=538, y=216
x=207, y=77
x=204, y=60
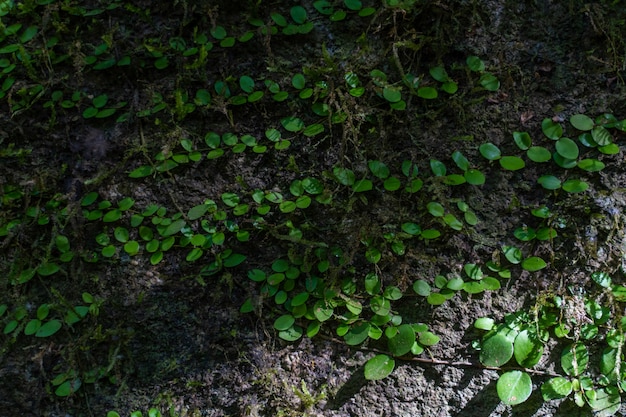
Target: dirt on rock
x=170, y=336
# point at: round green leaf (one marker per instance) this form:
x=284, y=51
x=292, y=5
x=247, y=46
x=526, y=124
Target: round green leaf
x=362, y=185
x=460, y=160
x=438, y=167
x=512, y=254
x=291, y=334
x=379, y=367
x=601, y=136
x=496, y=350
x=474, y=177
x=284, y=322
x=428, y=93
x=422, y=288
x=49, y=328
x=131, y=247
x=454, y=179
x=514, y=387
x=435, y=209
x=392, y=95
x=357, y=334
x=48, y=269
x=436, y=299
x=574, y=359
x=581, y=122
x=575, y=186
x=591, y=165
x=549, y=182
x=533, y=263
x=379, y=169
x=292, y=124
x=538, y=154
x=556, y=388
x=610, y=149
x=68, y=387
x=490, y=151
x=475, y=64
x=484, y=323
x=527, y=349
x=606, y=402
x=428, y=339
x=512, y=163
x=551, y=129
x=522, y=140
x=402, y=342
x=392, y=184
x=489, y=82
x=321, y=311
x=567, y=148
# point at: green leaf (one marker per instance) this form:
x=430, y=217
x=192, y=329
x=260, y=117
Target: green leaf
x=522, y=140
x=567, y=148
x=574, y=359
x=601, y=278
x=428, y=339
x=454, y=179
x=292, y=124
x=379, y=169
x=538, y=154
x=474, y=177
x=299, y=15
x=357, y=334
x=496, y=350
x=591, y=165
x=422, y=288
x=460, y=160
x=428, y=93
x=533, y=263
x=512, y=163
x=142, y=171
x=528, y=349
x=475, y=64
x=556, y=388
x=47, y=269
x=490, y=151
x=284, y=322
x=379, y=367
x=313, y=130
x=49, y=328
x=234, y=260
x=489, y=82
x=438, y=168
x=401, y=343
x=362, y=185
x=484, y=323
x=392, y=184
x=606, y=402
x=601, y=136
x=581, y=122
x=173, y=228
x=435, y=209
x=551, y=129
x=353, y=4
x=392, y=95
x=68, y=387
x=298, y=81
x=439, y=73
x=549, y=182
x=291, y=334
x=575, y=186
x=436, y=299
x=514, y=387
